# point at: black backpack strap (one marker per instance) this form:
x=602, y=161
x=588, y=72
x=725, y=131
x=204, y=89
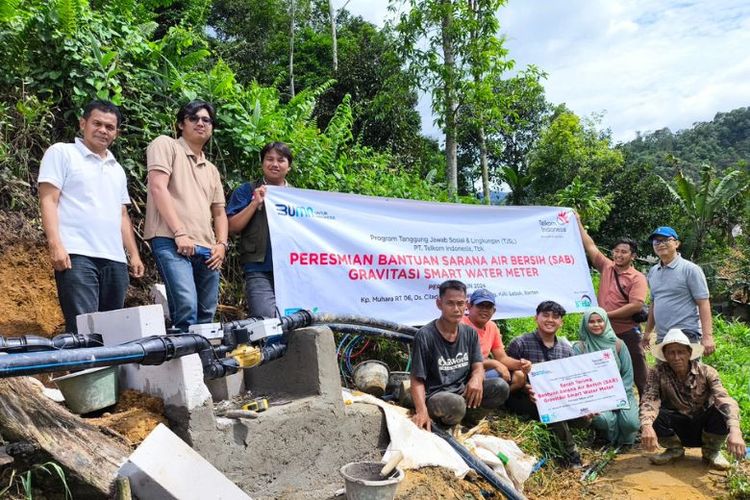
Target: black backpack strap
x=619, y=286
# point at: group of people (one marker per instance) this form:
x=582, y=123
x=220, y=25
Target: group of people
x=84, y=197
x=459, y=361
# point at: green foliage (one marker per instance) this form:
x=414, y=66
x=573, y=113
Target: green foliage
x=731, y=359
x=723, y=142
x=23, y=483
x=450, y=47
x=586, y=200
x=253, y=37
x=640, y=202
x=705, y=203
x=571, y=148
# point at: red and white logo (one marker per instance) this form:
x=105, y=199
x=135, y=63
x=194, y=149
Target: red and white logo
x=563, y=217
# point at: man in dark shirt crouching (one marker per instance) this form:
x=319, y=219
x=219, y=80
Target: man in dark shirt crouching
x=447, y=373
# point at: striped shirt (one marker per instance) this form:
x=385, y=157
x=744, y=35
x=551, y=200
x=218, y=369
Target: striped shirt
x=530, y=346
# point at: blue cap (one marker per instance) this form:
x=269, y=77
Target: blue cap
x=665, y=231
x=482, y=295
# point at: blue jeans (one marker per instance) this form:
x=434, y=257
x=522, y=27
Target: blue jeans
x=90, y=285
x=260, y=294
x=192, y=288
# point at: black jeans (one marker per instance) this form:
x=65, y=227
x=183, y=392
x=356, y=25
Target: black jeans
x=449, y=408
x=520, y=403
x=632, y=340
x=690, y=429
x=90, y=285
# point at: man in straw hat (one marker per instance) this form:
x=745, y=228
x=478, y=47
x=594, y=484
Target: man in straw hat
x=686, y=405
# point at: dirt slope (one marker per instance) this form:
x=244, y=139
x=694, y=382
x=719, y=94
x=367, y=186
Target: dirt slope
x=632, y=476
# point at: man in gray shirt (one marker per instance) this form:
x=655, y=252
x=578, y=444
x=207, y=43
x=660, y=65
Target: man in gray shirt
x=679, y=294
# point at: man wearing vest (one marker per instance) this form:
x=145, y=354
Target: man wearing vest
x=83, y=196
x=248, y=218
x=622, y=292
x=185, y=219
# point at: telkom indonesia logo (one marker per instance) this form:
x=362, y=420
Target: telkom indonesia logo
x=292, y=211
x=563, y=218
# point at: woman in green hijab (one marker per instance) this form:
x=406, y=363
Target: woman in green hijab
x=596, y=334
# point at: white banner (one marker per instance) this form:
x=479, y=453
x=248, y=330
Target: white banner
x=577, y=386
x=385, y=258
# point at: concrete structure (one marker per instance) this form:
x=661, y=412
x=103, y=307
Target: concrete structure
x=179, y=382
x=185, y=475
x=293, y=450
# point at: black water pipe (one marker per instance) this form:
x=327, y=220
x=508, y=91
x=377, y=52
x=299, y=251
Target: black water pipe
x=153, y=350
x=370, y=331
x=352, y=319
x=480, y=467
x=34, y=343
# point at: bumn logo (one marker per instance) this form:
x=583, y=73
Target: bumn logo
x=292, y=211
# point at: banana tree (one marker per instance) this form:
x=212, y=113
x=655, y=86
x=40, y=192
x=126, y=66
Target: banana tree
x=704, y=202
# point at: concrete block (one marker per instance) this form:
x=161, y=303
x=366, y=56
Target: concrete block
x=226, y=387
x=178, y=382
x=308, y=368
x=164, y=467
x=123, y=325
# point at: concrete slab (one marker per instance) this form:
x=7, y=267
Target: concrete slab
x=164, y=467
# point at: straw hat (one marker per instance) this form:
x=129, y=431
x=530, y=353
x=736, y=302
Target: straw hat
x=675, y=336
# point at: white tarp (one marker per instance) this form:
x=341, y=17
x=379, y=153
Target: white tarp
x=385, y=258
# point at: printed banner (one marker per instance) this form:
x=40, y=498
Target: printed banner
x=385, y=258
x=577, y=386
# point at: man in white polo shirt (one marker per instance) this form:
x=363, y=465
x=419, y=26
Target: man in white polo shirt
x=83, y=196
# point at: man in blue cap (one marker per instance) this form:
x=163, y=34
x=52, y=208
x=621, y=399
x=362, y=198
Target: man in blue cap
x=679, y=294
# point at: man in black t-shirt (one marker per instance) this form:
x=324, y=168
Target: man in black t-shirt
x=447, y=375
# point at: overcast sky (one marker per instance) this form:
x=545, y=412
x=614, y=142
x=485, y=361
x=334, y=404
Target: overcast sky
x=647, y=64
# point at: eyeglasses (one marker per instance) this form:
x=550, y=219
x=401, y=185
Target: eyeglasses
x=655, y=242
x=205, y=119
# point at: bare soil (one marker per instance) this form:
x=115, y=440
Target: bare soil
x=28, y=296
x=134, y=417
x=436, y=482
x=632, y=476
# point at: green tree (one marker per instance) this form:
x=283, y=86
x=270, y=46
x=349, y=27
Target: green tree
x=705, y=204
x=443, y=42
x=518, y=115
x=640, y=202
x=571, y=148
x=587, y=201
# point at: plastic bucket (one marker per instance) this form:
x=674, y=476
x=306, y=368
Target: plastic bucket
x=394, y=383
x=363, y=481
x=371, y=376
x=89, y=390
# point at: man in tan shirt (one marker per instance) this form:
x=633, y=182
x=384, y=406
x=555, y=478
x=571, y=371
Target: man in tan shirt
x=185, y=219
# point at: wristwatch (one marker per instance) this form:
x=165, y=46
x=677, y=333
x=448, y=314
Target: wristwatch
x=226, y=244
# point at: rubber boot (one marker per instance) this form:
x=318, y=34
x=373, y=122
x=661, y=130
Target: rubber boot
x=711, y=449
x=673, y=451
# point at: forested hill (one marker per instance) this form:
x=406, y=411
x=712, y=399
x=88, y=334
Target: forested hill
x=724, y=143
